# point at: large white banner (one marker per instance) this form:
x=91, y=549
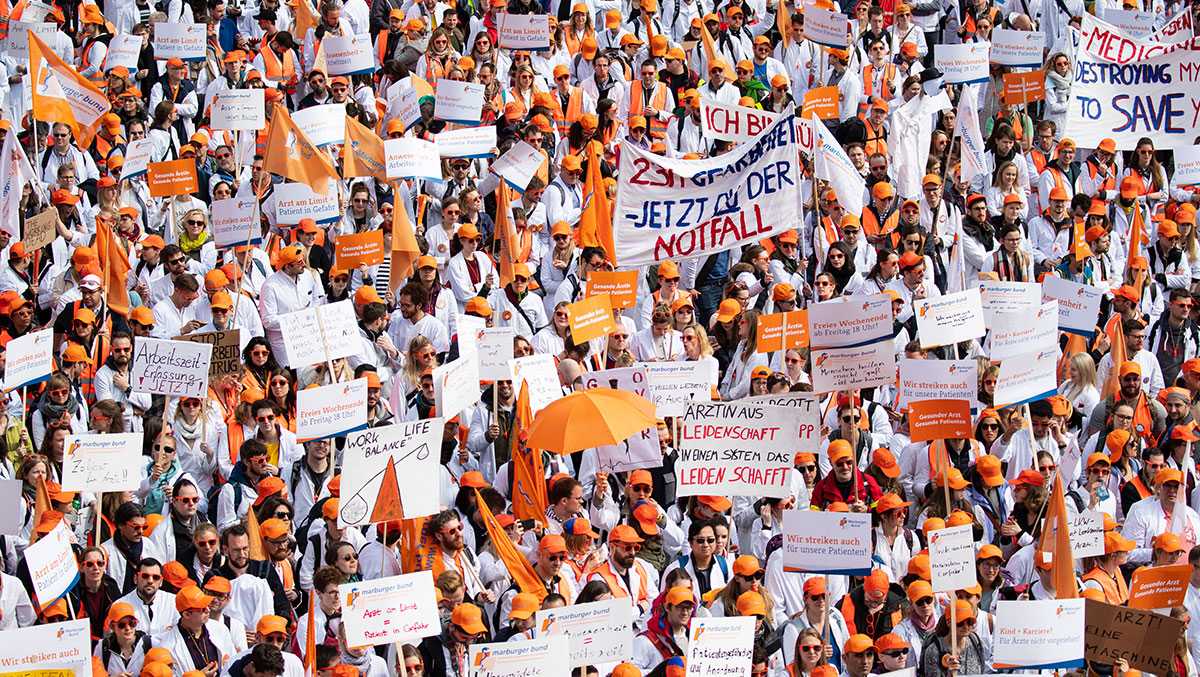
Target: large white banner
x=675, y=209
x=736, y=449
x=389, y=471
x=49, y=646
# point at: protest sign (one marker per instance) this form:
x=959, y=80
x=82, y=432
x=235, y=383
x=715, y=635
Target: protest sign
x=1134, y=23
x=468, y=328
x=826, y=27
x=12, y=507
x=53, y=568
x=774, y=336
x=598, y=632
x=296, y=201
x=54, y=645
x=952, y=558
x=667, y=209
x=234, y=220
x=405, y=107
x=939, y=419
x=1023, y=331
x=456, y=386
x=1027, y=377
x=16, y=44
x=947, y=379
x=335, y=324
x=29, y=359
x=949, y=319
x=546, y=657
x=821, y=542
x=412, y=158
x=331, y=411
x=964, y=63
x=1180, y=24
x=722, y=121
x=459, y=101
x=323, y=125
x=469, y=142
x=1187, y=166
x=591, y=318
x=351, y=251
x=39, y=230
x=1078, y=304
x=1017, y=48
x=123, y=50
x=674, y=384
x=137, y=158
x=517, y=166
x=833, y=163
x=720, y=646
x=640, y=450
x=388, y=472
x=238, y=109
x=1159, y=587
x=1024, y=88
x=854, y=321
x=736, y=449
x=1087, y=533
x=1146, y=640
x=1007, y=297
x=348, y=55
x=183, y=40
x=173, y=177
x=619, y=285
x=392, y=609
x=173, y=368
x=494, y=349
x=530, y=32
x=821, y=103
x=806, y=408
x=102, y=462
x=1039, y=634
x=540, y=375
x=858, y=367
x=226, y=351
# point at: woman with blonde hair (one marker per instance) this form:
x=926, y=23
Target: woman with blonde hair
x=1081, y=387
x=524, y=88
x=745, y=357
x=421, y=357
x=579, y=27
x=696, y=348
x=1006, y=182
x=439, y=56
x=195, y=240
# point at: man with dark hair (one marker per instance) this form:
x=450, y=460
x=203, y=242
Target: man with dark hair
x=240, y=491
x=1174, y=337
x=375, y=345
x=1019, y=448
x=177, y=314
x=247, y=605
x=154, y=612
x=410, y=320
x=264, y=660
x=127, y=547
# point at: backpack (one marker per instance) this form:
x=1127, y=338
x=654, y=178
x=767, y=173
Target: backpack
x=214, y=496
x=723, y=565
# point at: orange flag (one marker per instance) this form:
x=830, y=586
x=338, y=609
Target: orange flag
x=290, y=154
x=257, y=552
x=783, y=23
x=61, y=94
x=305, y=20
x=417, y=550
x=595, y=223
x=1075, y=344
x=529, y=501
x=516, y=563
x=506, y=230
x=362, y=154
x=310, y=640
x=405, y=251
x=1112, y=384
x=114, y=263
x=710, y=48
x=1056, y=538
x=41, y=502
x=1137, y=237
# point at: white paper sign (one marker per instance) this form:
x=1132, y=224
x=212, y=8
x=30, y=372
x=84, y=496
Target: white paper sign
x=529, y=32
x=29, y=359
x=806, y=408
x=949, y=319
x=234, y=222
x=404, y=105
x=349, y=55
x=107, y=462
x=388, y=472
x=599, y=632
x=720, y=646
x=469, y=329
x=937, y=379
x=295, y=201
x=963, y=63
x=456, y=386
x=674, y=384
x=640, y=450
x=1008, y=297
x=331, y=411
x=1087, y=533
x=412, y=158
x=1038, y=635
x=1028, y=377
x=123, y=50
x=323, y=125
x=517, y=166
x=821, y=542
x=47, y=646
x=736, y=449
x=137, y=158
x=952, y=558
x=1135, y=23
x=855, y=321
x=173, y=368
x=238, y=109
x=1187, y=165
x=1078, y=304
x=540, y=374
x=17, y=42
x=1017, y=48
x=860, y=367
x=52, y=565
x=302, y=333
x=468, y=142
x=1022, y=332
x=547, y=657
x=459, y=101
x=392, y=609
x=186, y=41
x=826, y=27
x=494, y=350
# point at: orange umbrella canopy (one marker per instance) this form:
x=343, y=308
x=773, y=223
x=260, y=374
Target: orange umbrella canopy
x=590, y=418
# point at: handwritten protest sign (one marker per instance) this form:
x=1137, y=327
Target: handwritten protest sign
x=952, y=558
x=226, y=351
x=926, y=380
x=1024, y=88
x=392, y=609
x=108, y=462
x=591, y=318
x=469, y=142
x=1087, y=533
x=1017, y=48
x=296, y=201
x=674, y=384
x=1078, y=304
x=494, y=349
x=234, y=220
x=1027, y=377
x=238, y=109
x=546, y=657
x=173, y=177
x=826, y=27
x=323, y=125
x=619, y=285
x=349, y=54
x=45, y=646
x=186, y=41
x=806, y=408
x=1039, y=635
x=599, y=632
x=1146, y=640
x=456, y=386
x=666, y=208
x=722, y=121
x=720, y=646
x=40, y=230
x=29, y=359
x=963, y=63
x=52, y=566
x=946, y=320
x=1008, y=297
x=331, y=411
x=388, y=472
x=640, y=450
x=412, y=158
x=860, y=367
x=469, y=328
x=356, y=249
x=529, y=32
x=16, y=44
x=459, y=101
x=827, y=542
x=736, y=449
x=772, y=336
x=540, y=375
x=174, y=368
x=856, y=321
x=1159, y=587
x=821, y=103
x=335, y=324
x=1023, y=331
x=939, y=419
x=137, y=158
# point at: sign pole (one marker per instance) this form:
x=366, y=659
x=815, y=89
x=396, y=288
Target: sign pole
x=325, y=344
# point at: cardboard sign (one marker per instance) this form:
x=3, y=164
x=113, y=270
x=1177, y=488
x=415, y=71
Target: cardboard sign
x=186, y=41
x=1027, y=377
x=855, y=321
x=1024, y=88
x=308, y=331
x=826, y=27
x=349, y=55
x=296, y=201
x=819, y=542
x=1087, y=533
x=137, y=158
x=29, y=359
x=1078, y=304
x=773, y=336
x=52, y=566
x=963, y=63
x=1021, y=332
x=392, y=609
x=547, y=657
x=619, y=285
x=226, y=351
x=173, y=368
x=458, y=101
x=640, y=450
x=359, y=248
x=937, y=379
x=806, y=408
x=1146, y=640
x=599, y=632
x=40, y=230
x=456, y=386
x=720, y=646
x=1007, y=297
x=494, y=350
x=822, y=102
x=469, y=142
x=243, y=109
x=123, y=50
x=591, y=318
x=736, y=449
x=173, y=177
x=1159, y=587
x=722, y=121
x=44, y=646
x=323, y=125
x=674, y=384
x=861, y=367
x=949, y=319
x=539, y=373
x=952, y=558
x=234, y=220
x=940, y=419
x=331, y=411
x=1017, y=48
x=1039, y=635
x=388, y=471
x=107, y=462
x=529, y=32
x=412, y=158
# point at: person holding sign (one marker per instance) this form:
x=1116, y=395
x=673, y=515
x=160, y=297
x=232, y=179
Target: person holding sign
x=937, y=657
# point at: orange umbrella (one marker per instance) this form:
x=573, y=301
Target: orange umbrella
x=590, y=418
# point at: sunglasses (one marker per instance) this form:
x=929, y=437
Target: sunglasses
x=260, y=353
x=896, y=653
x=59, y=392
x=812, y=648
x=414, y=669
x=283, y=515
x=149, y=577
x=457, y=529
x=94, y=564
x=631, y=547
x=989, y=426
x=121, y=625
x=188, y=500
x=709, y=540
x=349, y=558
x=206, y=543
x=807, y=468
x=265, y=419
x=159, y=447
x=756, y=576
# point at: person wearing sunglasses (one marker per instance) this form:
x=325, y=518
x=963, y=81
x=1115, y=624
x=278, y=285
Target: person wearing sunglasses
x=127, y=547
x=174, y=537
x=515, y=306
x=747, y=577
x=311, y=558
x=94, y=592
x=937, y=660
x=627, y=575
x=1174, y=338
x=123, y=649
x=162, y=472
x=464, y=628
x=893, y=652
x=470, y=272
x=153, y=607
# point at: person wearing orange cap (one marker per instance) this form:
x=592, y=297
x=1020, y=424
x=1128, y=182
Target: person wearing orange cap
x=470, y=271
x=124, y=648
x=666, y=631
x=1151, y=517
x=841, y=455
x=1060, y=172
x=195, y=642
x=289, y=289
x=627, y=576
x=515, y=306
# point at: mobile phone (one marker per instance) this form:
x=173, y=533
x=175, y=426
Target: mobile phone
x=528, y=524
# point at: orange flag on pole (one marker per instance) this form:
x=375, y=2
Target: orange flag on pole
x=41, y=501
x=529, y=500
x=506, y=230
x=418, y=551
x=783, y=23
x=1056, y=539
x=305, y=20
x=518, y=566
x=1137, y=237
x=362, y=154
x=310, y=640
x=291, y=155
x=595, y=222
x=405, y=251
x=114, y=264
x=61, y=94
x=1112, y=384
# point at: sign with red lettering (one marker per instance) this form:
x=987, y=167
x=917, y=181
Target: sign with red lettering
x=774, y=336
x=737, y=449
x=728, y=122
x=393, y=609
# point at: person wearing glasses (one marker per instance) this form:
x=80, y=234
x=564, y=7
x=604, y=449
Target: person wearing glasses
x=153, y=608
x=470, y=272
x=326, y=611
x=408, y=662
x=208, y=556
x=1174, y=338
x=241, y=489
x=123, y=649
x=95, y=592
x=937, y=660
x=627, y=575
x=919, y=621
x=175, y=536
x=319, y=541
